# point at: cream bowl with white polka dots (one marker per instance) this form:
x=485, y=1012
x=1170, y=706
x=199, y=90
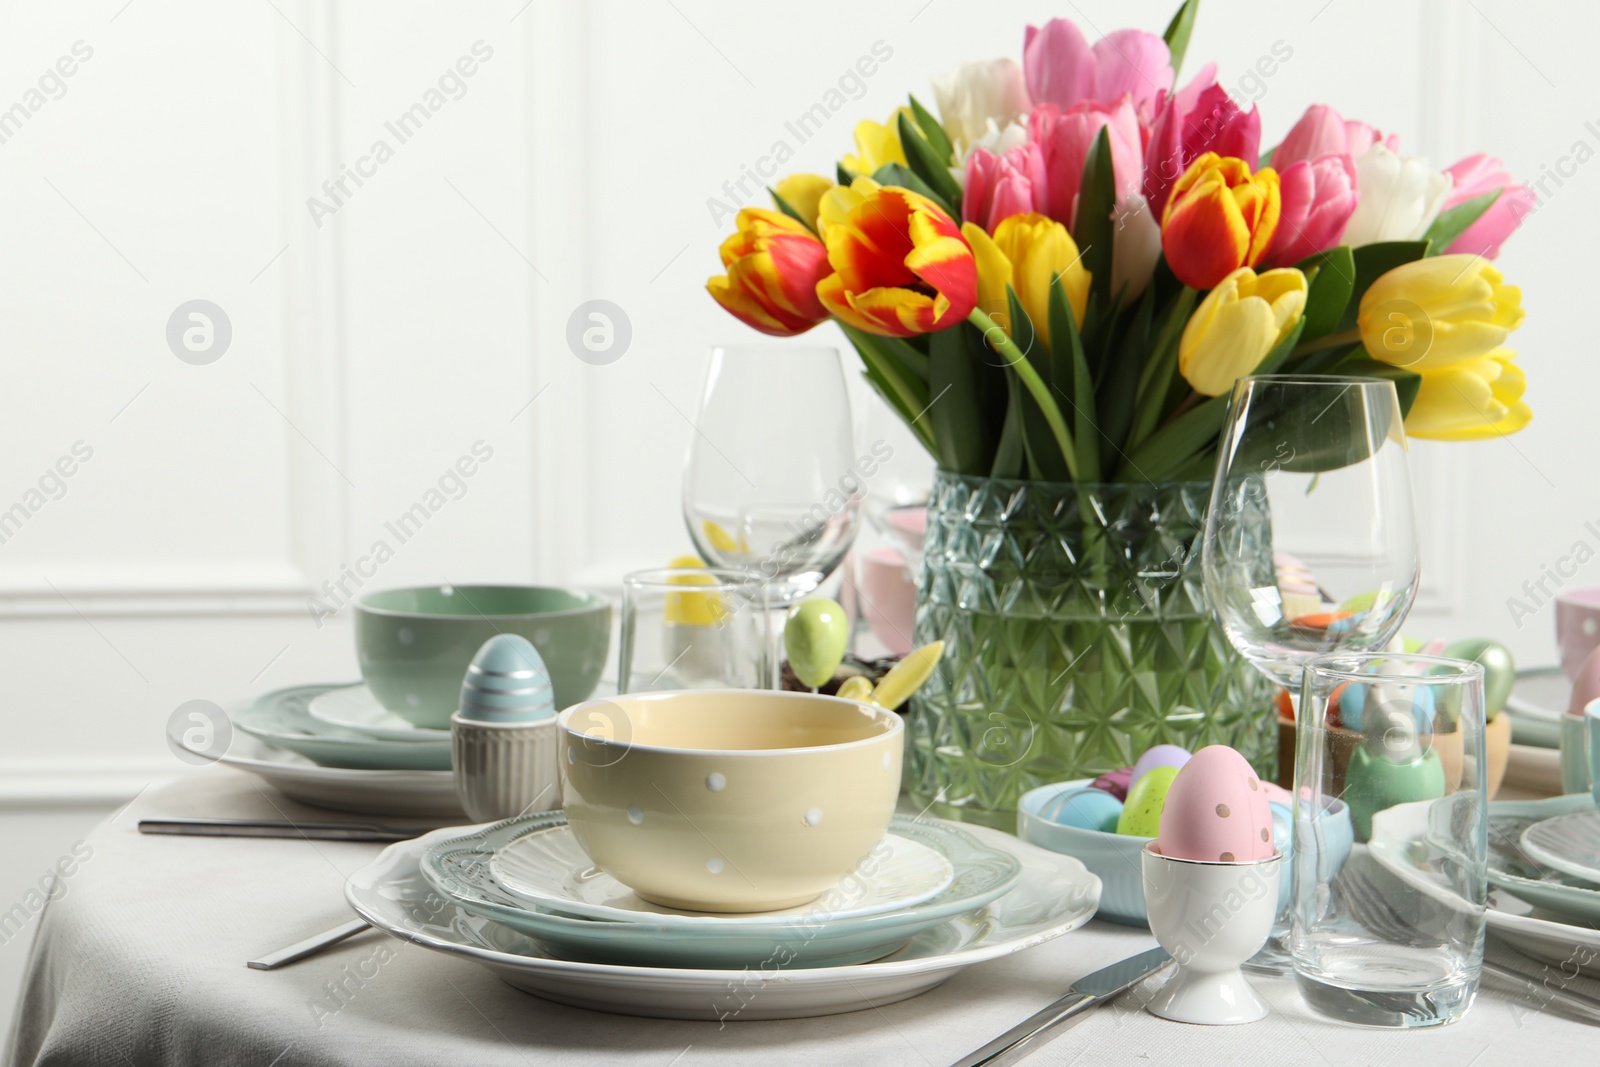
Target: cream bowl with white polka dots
x=730, y=800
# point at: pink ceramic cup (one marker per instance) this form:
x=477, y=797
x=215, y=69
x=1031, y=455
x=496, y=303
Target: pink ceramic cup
x=1577, y=626
x=888, y=598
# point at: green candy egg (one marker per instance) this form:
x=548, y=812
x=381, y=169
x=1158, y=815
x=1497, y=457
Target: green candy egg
x=1141, y=813
x=1499, y=669
x=815, y=636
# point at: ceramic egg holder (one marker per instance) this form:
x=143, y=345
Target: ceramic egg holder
x=1211, y=917
x=505, y=742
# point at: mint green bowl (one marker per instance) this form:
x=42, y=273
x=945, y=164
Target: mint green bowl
x=414, y=644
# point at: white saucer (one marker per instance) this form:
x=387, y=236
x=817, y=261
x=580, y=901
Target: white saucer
x=1569, y=843
x=550, y=870
x=353, y=707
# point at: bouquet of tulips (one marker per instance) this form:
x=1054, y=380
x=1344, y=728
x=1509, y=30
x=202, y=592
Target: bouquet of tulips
x=1060, y=277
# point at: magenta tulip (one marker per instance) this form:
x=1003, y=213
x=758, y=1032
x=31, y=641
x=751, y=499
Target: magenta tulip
x=1321, y=131
x=1180, y=135
x=1065, y=137
x=1060, y=68
x=999, y=186
x=1473, y=177
x=1318, y=199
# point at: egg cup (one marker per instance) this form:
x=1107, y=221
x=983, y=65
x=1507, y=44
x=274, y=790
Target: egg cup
x=1211, y=917
x=503, y=770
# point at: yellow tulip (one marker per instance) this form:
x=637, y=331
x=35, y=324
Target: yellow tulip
x=1478, y=399
x=1237, y=325
x=1438, y=312
x=1027, y=252
x=804, y=192
x=877, y=144
x=693, y=609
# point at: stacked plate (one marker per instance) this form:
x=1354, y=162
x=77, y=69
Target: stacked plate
x=335, y=746
x=343, y=726
x=522, y=898
x=1544, y=870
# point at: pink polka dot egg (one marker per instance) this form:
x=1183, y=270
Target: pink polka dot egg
x=1216, y=811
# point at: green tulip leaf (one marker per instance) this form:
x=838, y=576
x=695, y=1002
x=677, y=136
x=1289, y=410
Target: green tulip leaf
x=908, y=394
x=1406, y=382
x=1281, y=350
x=1171, y=448
x=1265, y=159
x=1119, y=389
x=1097, y=201
x=1044, y=454
x=1178, y=33
x=934, y=132
x=788, y=209
x=1453, y=223
x=1008, y=452
x=844, y=174
x=1072, y=367
x=927, y=164
x=1373, y=262
x=906, y=178
x=953, y=412
x=1330, y=289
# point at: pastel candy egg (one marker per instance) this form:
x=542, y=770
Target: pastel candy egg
x=1217, y=811
x=1160, y=756
x=1277, y=794
x=1086, y=808
x=1114, y=782
x=1373, y=783
x=1147, y=798
x=507, y=682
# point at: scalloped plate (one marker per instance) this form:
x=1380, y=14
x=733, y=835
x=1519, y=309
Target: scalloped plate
x=1054, y=894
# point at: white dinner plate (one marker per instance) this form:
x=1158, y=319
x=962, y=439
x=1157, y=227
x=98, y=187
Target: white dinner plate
x=429, y=794
x=1399, y=839
x=281, y=719
x=1570, y=843
x=353, y=707
x=1056, y=894
x=551, y=871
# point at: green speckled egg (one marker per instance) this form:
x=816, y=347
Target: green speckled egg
x=1141, y=814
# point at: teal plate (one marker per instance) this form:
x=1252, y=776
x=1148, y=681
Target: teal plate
x=281, y=719
x=1516, y=872
x=459, y=868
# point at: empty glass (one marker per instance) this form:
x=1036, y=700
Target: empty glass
x=1310, y=542
x=773, y=484
x=1390, y=838
x=694, y=628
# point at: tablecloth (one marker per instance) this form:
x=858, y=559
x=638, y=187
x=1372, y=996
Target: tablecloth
x=141, y=961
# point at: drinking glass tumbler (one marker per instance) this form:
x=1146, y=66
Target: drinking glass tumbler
x=695, y=628
x=1390, y=838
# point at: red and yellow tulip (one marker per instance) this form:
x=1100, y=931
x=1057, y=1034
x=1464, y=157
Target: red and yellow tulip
x=900, y=264
x=773, y=265
x=1220, y=217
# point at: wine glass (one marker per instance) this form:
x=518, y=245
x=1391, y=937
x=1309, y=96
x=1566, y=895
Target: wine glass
x=772, y=483
x=1310, y=541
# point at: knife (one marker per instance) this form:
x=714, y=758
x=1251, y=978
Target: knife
x=1087, y=992
x=274, y=828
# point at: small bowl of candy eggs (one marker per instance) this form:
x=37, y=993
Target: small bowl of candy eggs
x=1107, y=821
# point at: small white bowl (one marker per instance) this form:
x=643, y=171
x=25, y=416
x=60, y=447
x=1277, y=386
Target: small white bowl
x=729, y=800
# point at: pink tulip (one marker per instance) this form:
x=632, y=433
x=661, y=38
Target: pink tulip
x=1061, y=68
x=1318, y=199
x=1321, y=131
x=1064, y=139
x=999, y=186
x=1473, y=177
x=1213, y=123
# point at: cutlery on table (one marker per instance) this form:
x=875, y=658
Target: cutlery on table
x=275, y=828
x=309, y=947
x=1087, y=992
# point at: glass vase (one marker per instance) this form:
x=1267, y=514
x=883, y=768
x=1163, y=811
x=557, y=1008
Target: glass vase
x=1077, y=635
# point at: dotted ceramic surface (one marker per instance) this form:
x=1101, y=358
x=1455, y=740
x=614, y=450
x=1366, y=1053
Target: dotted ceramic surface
x=549, y=870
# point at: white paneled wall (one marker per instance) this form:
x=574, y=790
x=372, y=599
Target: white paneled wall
x=570, y=152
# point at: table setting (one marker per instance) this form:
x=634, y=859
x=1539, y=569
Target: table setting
x=1110, y=734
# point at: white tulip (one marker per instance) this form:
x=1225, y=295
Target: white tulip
x=976, y=95
x=1400, y=198
x=1135, y=248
